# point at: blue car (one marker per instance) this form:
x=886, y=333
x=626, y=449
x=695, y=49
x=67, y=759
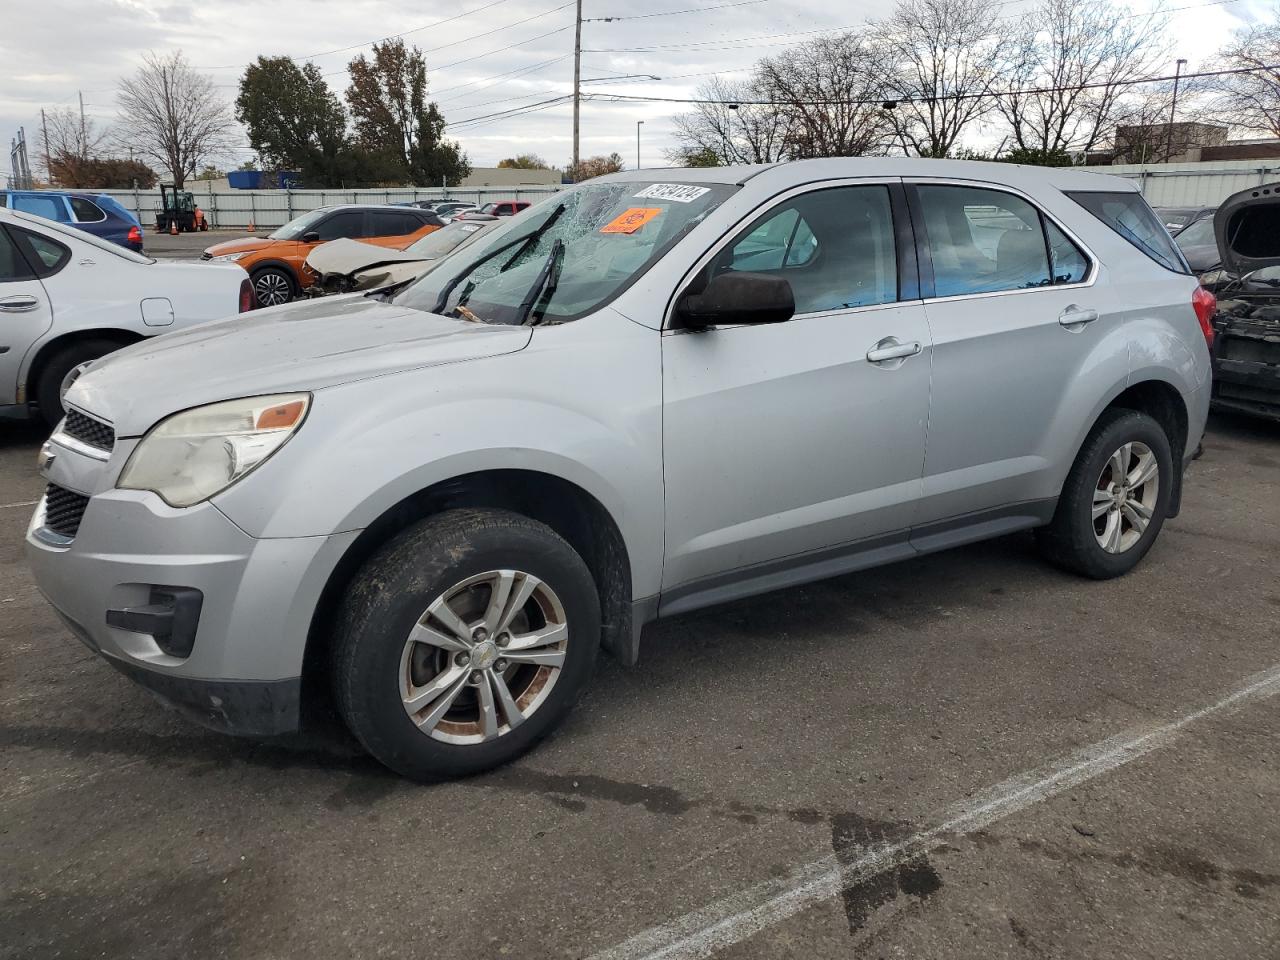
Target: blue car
x=95, y=213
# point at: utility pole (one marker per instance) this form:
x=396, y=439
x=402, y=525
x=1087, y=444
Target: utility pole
x=638, y=125
x=84, y=138
x=1173, y=107
x=577, y=85
x=44, y=126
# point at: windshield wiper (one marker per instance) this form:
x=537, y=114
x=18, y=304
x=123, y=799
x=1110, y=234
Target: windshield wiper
x=543, y=286
x=524, y=242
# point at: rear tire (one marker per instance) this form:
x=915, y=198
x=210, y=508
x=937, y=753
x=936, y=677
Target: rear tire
x=49, y=384
x=273, y=286
x=435, y=677
x=1115, y=499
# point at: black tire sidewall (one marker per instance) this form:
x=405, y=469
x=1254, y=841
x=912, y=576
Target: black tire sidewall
x=288, y=277
x=1130, y=426
x=392, y=593
x=49, y=383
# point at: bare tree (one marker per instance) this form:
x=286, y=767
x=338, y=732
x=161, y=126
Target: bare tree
x=945, y=56
x=1251, y=100
x=71, y=143
x=729, y=126
x=173, y=116
x=1067, y=72
x=830, y=94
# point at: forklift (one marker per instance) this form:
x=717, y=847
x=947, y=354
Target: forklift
x=178, y=211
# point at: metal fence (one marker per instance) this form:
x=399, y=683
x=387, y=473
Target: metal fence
x=268, y=209
x=1195, y=184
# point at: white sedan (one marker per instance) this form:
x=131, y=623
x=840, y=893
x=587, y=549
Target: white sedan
x=67, y=298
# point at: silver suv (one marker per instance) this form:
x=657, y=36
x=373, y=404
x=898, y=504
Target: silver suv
x=651, y=393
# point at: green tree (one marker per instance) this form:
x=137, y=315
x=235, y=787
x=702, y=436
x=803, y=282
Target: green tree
x=690, y=156
x=596, y=167
x=295, y=122
x=210, y=172
x=524, y=161
x=1035, y=157
x=393, y=120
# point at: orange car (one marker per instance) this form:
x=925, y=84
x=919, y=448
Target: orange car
x=275, y=263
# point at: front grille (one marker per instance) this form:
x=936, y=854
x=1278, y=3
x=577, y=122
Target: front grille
x=63, y=510
x=88, y=430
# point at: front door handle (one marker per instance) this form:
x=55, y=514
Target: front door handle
x=1074, y=316
x=890, y=348
x=18, y=304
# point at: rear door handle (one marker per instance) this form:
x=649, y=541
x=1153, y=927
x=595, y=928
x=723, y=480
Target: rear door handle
x=890, y=348
x=18, y=304
x=1075, y=317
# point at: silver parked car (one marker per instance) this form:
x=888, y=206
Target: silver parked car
x=651, y=393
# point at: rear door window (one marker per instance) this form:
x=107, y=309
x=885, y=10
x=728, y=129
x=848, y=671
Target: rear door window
x=12, y=265
x=1128, y=215
x=1068, y=261
x=86, y=211
x=982, y=241
x=48, y=256
x=387, y=224
x=51, y=208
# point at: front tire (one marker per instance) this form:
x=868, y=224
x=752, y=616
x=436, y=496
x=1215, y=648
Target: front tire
x=273, y=286
x=463, y=642
x=1115, y=499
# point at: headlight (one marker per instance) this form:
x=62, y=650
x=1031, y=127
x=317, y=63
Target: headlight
x=230, y=257
x=192, y=455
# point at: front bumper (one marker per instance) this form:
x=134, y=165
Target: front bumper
x=1246, y=367
x=242, y=674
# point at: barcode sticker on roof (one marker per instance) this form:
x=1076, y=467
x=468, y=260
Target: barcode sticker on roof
x=677, y=192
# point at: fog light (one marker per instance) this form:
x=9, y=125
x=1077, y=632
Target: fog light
x=170, y=618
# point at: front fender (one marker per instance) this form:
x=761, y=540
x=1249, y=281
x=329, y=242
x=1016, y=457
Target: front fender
x=368, y=445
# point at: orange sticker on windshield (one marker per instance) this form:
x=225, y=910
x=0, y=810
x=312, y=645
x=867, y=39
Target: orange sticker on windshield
x=629, y=221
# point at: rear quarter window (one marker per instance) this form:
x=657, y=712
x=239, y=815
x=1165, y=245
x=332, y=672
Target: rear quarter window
x=1129, y=215
x=86, y=211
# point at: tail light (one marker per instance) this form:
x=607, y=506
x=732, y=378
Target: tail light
x=135, y=235
x=1205, y=304
x=246, y=295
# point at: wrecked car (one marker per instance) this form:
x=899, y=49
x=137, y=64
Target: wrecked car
x=1246, y=347
x=347, y=266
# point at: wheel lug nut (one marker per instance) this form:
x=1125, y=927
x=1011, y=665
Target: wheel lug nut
x=462, y=659
x=504, y=639
x=500, y=665
x=475, y=677
x=480, y=635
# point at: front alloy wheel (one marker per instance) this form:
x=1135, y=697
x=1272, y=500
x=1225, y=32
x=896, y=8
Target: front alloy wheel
x=272, y=288
x=484, y=657
x=463, y=641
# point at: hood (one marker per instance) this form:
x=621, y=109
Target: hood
x=1247, y=227
x=306, y=345
x=347, y=256
x=243, y=245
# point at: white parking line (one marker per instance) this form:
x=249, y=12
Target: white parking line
x=737, y=917
x=24, y=503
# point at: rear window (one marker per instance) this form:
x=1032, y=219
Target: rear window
x=1129, y=216
x=86, y=211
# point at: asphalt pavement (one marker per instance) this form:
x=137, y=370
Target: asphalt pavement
x=967, y=755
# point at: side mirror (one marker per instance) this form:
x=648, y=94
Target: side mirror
x=311, y=237
x=737, y=298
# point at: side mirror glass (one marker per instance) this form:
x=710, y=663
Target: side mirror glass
x=737, y=298
x=311, y=237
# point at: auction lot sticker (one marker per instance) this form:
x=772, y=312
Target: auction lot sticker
x=629, y=221
x=678, y=192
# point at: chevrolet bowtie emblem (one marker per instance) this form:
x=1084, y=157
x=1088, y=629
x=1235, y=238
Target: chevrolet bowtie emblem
x=44, y=460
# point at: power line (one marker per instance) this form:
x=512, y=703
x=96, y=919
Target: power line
x=488, y=53
x=674, y=13
x=607, y=96
x=472, y=122
x=393, y=36
x=518, y=71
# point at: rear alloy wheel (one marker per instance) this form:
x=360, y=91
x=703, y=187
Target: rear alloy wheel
x=1115, y=498
x=464, y=641
x=272, y=287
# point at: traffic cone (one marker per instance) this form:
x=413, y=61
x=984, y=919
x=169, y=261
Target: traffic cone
x=173, y=228
x=251, y=228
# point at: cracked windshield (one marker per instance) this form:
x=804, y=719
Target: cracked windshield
x=569, y=255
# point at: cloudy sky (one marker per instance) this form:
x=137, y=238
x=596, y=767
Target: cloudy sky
x=490, y=55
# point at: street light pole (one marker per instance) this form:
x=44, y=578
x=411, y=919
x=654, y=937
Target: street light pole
x=638, y=125
x=1173, y=108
